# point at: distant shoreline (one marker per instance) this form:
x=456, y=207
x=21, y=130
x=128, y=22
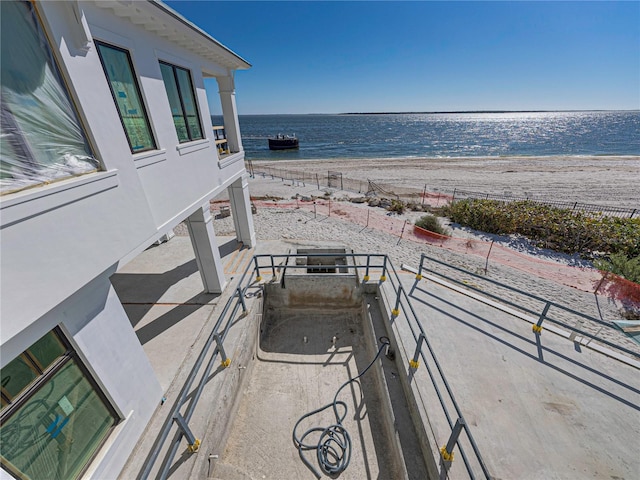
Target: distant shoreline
x=443, y=112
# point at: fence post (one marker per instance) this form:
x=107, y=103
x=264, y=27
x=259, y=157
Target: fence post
x=317, y=181
x=486, y=264
x=424, y=193
x=402, y=232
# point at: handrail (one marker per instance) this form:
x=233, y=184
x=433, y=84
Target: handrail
x=542, y=316
x=250, y=276
x=447, y=450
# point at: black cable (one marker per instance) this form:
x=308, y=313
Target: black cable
x=334, y=446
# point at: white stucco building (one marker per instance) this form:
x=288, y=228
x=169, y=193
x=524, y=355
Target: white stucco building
x=107, y=144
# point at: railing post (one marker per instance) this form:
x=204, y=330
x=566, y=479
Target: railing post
x=225, y=362
x=273, y=266
x=366, y=271
x=255, y=261
x=241, y=297
x=396, y=311
x=414, y=363
x=194, y=443
x=383, y=277
x=537, y=328
x=419, y=274
x=446, y=452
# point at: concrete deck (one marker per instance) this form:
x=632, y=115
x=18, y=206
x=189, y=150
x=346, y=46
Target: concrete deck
x=544, y=411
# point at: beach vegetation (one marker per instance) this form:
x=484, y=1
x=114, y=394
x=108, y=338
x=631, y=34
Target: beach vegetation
x=397, y=206
x=431, y=223
x=561, y=230
x=622, y=265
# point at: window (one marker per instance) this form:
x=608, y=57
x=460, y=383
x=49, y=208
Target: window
x=53, y=419
x=126, y=93
x=40, y=134
x=182, y=100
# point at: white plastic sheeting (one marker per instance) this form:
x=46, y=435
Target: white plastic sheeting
x=41, y=138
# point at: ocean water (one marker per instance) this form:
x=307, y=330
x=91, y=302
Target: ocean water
x=444, y=134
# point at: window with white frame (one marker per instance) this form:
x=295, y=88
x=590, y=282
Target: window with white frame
x=182, y=100
x=53, y=417
x=118, y=68
x=41, y=137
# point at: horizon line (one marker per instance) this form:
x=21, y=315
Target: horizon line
x=438, y=112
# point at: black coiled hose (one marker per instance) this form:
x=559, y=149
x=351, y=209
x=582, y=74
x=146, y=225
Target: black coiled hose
x=334, y=446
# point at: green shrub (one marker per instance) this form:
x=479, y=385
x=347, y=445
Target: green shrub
x=429, y=222
x=620, y=264
x=559, y=229
x=397, y=206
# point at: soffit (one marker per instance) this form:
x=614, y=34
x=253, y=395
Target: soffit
x=156, y=17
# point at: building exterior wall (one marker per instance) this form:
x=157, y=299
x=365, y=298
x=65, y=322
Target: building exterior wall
x=61, y=242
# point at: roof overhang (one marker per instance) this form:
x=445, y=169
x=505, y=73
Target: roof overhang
x=163, y=21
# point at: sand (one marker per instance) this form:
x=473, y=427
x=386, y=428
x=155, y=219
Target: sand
x=285, y=220
x=600, y=180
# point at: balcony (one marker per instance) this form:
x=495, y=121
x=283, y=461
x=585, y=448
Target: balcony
x=222, y=143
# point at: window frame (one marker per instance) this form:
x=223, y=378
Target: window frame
x=174, y=69
x=68, y=356
x=136, y=82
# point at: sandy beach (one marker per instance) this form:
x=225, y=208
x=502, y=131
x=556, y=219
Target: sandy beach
x=567, y=281
x=600, y=180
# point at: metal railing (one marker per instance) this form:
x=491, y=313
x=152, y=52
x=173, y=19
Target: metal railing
x=541, y=315
x=236, y=308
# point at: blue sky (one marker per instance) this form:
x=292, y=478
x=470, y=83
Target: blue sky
x=375, y=56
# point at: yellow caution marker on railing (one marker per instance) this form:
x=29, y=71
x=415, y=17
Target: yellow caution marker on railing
x=395, y=312
x=383, y=278
x=418, y=276
x=225, y=363
x=365, y=278
x=446, y=456
x=537, y=329
x=414, y=364
x=194, y=447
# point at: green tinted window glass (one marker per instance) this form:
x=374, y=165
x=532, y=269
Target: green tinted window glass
x=182, y=100
x=189, y=101
x=46, y=350
x=174, y=102
x=17, y=375
x=124, y=87
x=57, y=430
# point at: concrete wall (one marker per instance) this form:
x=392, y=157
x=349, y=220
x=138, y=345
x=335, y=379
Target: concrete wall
x=313, y=291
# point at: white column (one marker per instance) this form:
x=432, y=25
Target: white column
x=230, y=112
x=241, y=211
x=203, y=239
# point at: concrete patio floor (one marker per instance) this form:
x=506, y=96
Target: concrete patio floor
x=548, y=413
